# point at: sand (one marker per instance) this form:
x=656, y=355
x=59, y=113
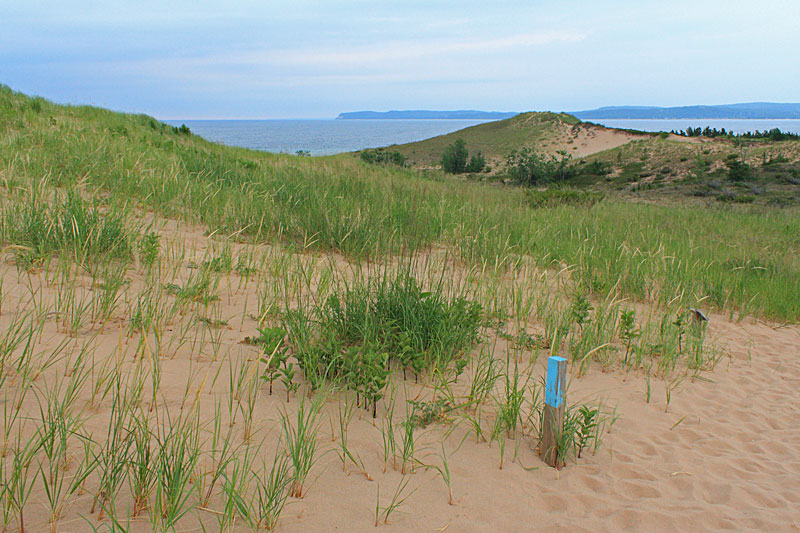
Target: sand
x=724, y=455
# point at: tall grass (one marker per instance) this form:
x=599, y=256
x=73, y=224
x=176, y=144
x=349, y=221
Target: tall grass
x=43, y=223
x=742, y=260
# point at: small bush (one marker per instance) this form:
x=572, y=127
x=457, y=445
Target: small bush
x=731, y=197
x=454, y=158
x=738, y=170
x=596, y=168
x=476, y=163
x=375, y=322
x=556, y=197
x=381, y=156
x=531, y=168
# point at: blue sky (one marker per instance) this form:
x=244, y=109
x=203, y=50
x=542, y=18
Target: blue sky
x=306, y=59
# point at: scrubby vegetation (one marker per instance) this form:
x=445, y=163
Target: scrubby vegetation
x=775, y=134
x=382, y=156
x=188, y=329
x=555, y=197
x=528, y=167
x=456, y=159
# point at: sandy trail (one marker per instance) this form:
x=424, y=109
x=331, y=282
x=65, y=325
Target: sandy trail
x=724, y=455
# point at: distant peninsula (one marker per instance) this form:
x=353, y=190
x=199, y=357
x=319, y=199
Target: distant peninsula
x=753, y=110
x=424, y=114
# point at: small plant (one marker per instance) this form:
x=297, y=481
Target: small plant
x=581, y=307
x=287, y=378
x=271, y=492
x=433, y=412
x=680, y=324
x=399, y=497
x=272, y=342
x=149, y=248
x=444, y=471
x=587, y=426
x=628, y=331
x=301, y=443
x=195, y=290
x=221, y=264
x=407, y=443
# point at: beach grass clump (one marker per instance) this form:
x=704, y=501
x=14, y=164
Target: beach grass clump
x=365, y=327
x=40, y=227
x=300, y=439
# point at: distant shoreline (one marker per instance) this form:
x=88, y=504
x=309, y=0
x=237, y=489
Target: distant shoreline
x=746, y=111
x=463, y=114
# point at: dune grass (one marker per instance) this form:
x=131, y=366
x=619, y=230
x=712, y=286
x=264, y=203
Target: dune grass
x=740, y=259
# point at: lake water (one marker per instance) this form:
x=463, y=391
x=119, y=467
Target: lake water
x=326, y=137
x=320, y=137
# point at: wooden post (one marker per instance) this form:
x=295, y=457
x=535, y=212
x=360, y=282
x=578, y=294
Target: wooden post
x=553, y=419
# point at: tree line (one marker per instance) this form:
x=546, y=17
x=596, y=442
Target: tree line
x=775, y=134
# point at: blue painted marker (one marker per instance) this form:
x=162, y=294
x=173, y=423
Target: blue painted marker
x=554, y=393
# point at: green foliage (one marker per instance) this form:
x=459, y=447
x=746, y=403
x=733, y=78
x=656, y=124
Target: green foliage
x=65, y=224
x=362, y=211
x=530, y=168
x=628, y=331
x=454, y=157
x=580, y=310
x=196, y=289
x=431, y=412
x=149, y=248
x=562, y=196
x=383, y=156
x=738, y=170
x=273, y=345
x=363, y=327
x=595, y=168
x=300, y=439
x=221, y=264
x=476, y=164
x=586, y=428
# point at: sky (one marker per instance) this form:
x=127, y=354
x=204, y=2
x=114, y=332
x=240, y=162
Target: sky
x=176, y=59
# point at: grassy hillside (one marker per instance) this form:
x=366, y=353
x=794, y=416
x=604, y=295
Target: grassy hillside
x=650, y=166
x=659, y=168
x=493, y=139
x=742, y=259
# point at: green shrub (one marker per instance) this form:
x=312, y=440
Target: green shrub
x=596, y=168
x=454, y=158
x=530, y=168
x=556, y=197
x=738, y=170
x=476, y=163
x=734, y=198
x=382, y=156
x=374, y=322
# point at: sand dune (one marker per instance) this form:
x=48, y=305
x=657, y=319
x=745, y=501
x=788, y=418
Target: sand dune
x=725, y=455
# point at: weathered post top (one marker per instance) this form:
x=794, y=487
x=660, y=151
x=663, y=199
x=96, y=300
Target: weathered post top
x=556, y=381
x=553, y=419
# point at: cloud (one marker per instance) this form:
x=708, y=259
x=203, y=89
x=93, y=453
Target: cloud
x=371, y=55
